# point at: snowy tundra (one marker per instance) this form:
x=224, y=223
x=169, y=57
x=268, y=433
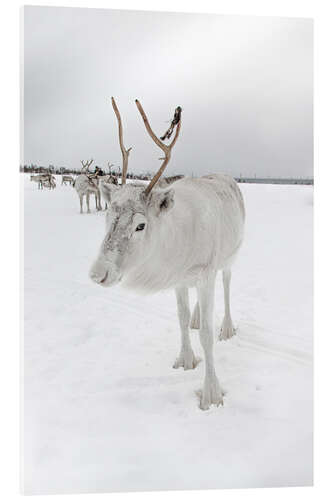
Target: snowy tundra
x=177, y=237
x=103, y=409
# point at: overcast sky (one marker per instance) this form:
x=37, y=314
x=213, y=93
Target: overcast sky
x=244, y=83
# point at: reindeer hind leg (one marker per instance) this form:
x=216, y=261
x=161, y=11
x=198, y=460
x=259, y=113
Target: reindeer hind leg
x=195, y=318
x=227, y=330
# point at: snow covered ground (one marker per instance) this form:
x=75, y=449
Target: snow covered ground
x=103, y=408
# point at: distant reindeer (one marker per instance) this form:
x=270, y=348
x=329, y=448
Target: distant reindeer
x=67, y=178
x=108, y=178
x=176, y=237
x=39, y=179
x=44, y=180
x=49, y=181
x=85, y=185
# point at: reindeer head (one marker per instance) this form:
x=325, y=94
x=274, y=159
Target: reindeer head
x=85, y=166
x=133, y=214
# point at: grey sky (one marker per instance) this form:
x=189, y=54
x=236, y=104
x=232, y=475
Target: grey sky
x=244, y=83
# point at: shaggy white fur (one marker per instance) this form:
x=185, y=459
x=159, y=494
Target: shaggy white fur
x=178, y=237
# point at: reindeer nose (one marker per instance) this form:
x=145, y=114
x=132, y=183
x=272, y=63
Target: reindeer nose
x=98, y=273
x=98, y=278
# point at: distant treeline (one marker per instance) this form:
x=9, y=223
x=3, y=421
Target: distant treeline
x=35, y=169
x=275, y=180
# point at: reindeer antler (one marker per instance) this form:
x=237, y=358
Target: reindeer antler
x=124, y=152
x=166, y=149
x=87, y=164
x=176, y=118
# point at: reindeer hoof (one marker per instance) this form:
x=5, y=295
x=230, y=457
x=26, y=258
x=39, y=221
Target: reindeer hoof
x=211, y=394
x=187, y=361
x=206, y=402
x=227, y=331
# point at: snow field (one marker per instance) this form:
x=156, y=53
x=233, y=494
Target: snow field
x=103, y=408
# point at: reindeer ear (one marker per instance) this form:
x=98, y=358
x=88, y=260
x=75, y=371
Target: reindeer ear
x=161, y=201
x=106, y=190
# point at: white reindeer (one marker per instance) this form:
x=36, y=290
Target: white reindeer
x=49, y=181
x=176, y=237
x=86, y=185
x=39, y=178
x=67, y=178
x=109, y=179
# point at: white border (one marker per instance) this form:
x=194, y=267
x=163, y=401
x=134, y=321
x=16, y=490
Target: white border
x=9, y=423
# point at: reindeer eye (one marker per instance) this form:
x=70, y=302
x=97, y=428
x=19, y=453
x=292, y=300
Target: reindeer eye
x=140, y=227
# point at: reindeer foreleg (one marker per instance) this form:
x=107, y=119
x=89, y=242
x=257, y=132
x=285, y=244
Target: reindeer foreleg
x=98, y=200
x=211, y=392
x=186, y=357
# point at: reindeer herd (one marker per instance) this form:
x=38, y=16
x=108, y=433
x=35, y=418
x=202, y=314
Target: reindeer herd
x=172, y=233
x=44, y=180
x=85, y=184
x=48, y=180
